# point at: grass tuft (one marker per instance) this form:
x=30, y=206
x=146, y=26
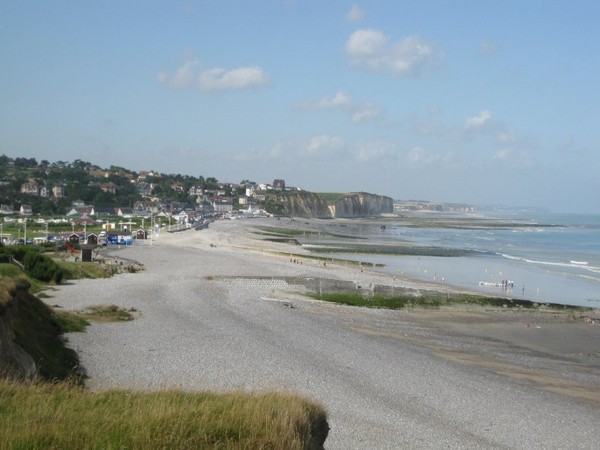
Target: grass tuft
x=110, y=313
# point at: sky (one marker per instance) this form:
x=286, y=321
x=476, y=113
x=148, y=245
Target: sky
x=473, y=101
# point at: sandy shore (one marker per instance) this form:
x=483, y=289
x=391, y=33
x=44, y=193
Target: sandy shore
x=214, y=312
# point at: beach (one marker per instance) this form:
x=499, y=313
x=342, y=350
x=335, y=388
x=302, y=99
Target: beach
x=223, y=309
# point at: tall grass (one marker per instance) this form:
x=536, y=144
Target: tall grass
x=62, y=416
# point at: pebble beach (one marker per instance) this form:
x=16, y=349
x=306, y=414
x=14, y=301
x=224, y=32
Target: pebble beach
x=215, y=310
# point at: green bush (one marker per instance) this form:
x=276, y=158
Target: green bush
x=42, y=267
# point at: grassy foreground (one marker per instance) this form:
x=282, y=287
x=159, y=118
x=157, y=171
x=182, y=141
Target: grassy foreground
x=63, y=416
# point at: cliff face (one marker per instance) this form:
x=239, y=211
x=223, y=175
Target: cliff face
x=308, y=204
x=31, y=342
x=361, y=204
x=304, y=204
x=15, y=362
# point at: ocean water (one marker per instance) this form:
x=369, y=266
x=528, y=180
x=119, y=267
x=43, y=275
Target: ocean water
x=551, y=258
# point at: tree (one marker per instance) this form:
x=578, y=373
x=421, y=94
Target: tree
x=211, y=183
x=25, y=162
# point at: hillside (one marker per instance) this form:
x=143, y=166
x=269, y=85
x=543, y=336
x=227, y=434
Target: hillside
x=29, y=187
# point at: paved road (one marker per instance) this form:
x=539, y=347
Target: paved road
x=381, y=392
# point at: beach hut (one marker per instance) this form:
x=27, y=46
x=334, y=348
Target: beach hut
x=86, y=252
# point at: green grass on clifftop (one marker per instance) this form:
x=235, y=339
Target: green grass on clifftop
x=331, y=197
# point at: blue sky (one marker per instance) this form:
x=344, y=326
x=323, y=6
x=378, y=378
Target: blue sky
x=483, y=102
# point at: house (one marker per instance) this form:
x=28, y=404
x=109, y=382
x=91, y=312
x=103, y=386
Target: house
x=177, y=186
x=195, y=190
x=87, y=210
x=5, y=209
x=206, y=208
x=82, y=210
x=180, y=215
x=104, y=212
x=25, y=210
x=223, y=206
x=30, y=187
x=43, y=192
x=279, y=185
x=126, y=213
x=58, y=191
x=109, y=187
x=84, y=221
x=145, y=189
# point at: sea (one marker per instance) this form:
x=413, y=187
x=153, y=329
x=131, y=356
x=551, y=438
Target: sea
x=544, y=257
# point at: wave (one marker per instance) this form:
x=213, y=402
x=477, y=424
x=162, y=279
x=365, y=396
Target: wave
x=571, y=264
x=587, y=277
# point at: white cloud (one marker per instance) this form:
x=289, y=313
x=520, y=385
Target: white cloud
x=366, y=113
x=418, y=155
x=324, y=143
x=218, y=79
x=516, y=158
x=502, y=154
x=480, y=125
x=366, y=43
x=360, y=113
x=356, y=14
x=479, y=120
x=214, y=79
x=372, y=50
x=183, y=77
x=278, y=151
x=375, y=150
x=340, y=100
